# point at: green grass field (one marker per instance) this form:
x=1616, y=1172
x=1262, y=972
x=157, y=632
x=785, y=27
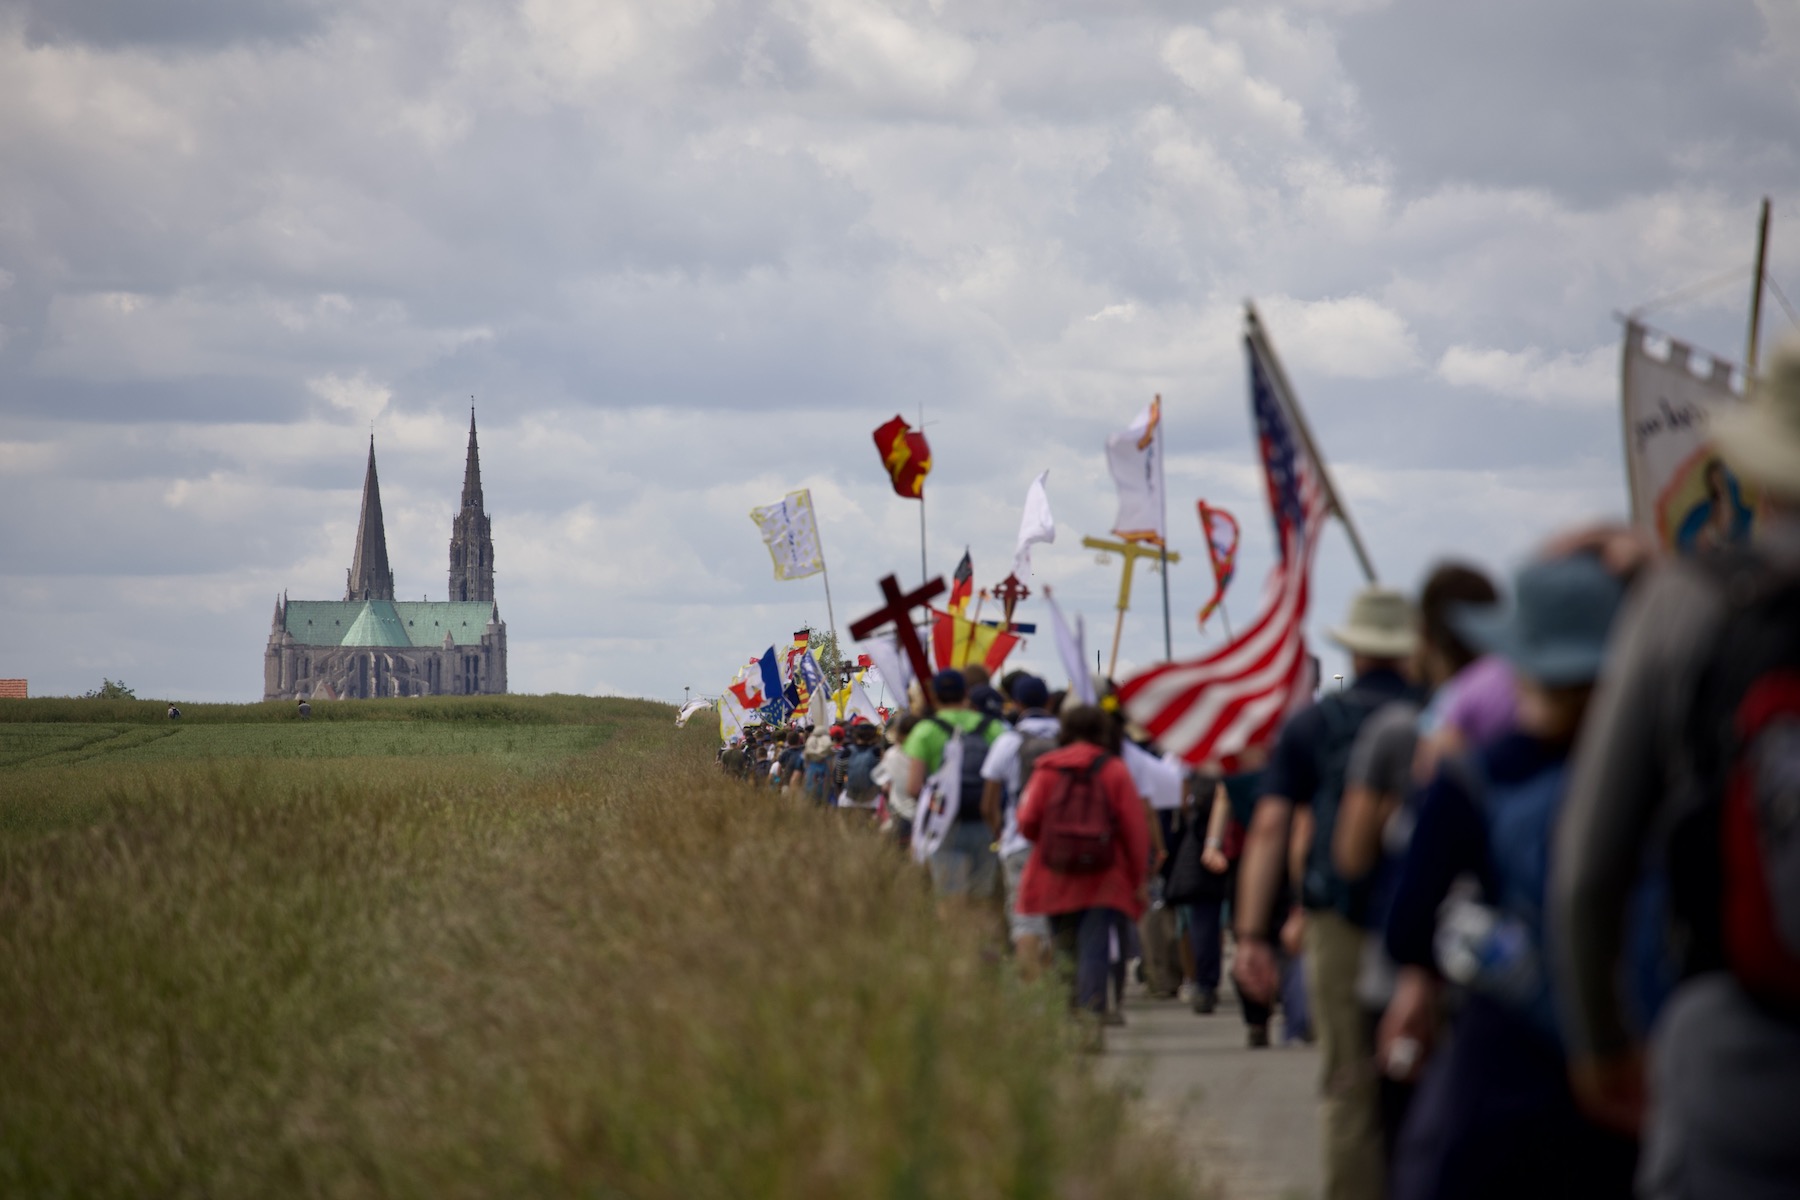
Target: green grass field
x=515, y=946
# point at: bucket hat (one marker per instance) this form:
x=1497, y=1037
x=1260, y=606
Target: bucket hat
x=1380, y=625
x=1555, y=630
x=1760, y=439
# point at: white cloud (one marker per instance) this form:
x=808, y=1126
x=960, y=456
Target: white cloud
x=1352, y=337
x=1588, y=378
x=1215, y=69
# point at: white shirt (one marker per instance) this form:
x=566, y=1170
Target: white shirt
x=893, y=774
x=1002, y=763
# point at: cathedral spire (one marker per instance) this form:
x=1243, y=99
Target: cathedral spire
x=471, y=497
x=471, y=534
x=370, y=577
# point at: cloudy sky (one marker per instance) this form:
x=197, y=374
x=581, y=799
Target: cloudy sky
x=687, y=254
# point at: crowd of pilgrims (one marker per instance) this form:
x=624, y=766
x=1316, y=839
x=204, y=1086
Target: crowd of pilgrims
x=1529, y=879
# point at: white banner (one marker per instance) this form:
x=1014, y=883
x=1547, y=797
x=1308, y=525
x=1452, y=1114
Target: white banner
x=1135, y=458
x=791, y=533
x=1680, y=492
x=1036, y=525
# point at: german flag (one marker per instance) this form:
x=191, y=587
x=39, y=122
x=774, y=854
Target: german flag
x=906, y=456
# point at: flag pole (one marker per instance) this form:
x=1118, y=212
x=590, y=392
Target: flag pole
x=824, y=571
x=1756, y=291
x=924, y=571
x=1254, y=330
x=1162, y=495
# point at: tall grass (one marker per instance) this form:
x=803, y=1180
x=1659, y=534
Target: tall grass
x=532, y=710
x=619, y=976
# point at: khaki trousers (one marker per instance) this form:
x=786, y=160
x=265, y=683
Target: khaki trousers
x=1351, y=1115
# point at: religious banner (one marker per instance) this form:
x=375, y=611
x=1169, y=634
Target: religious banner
x=791, y=533
x=1135, y=459
x=1681, y=493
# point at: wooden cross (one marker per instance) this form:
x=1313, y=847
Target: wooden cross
x=898, y=610
x=1009, y=592
x=1132, y=551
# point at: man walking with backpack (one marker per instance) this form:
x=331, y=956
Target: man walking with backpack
x=1305, y=779
x=1090, y=861
x=964, y=864
x=1695, y=737
x=1007, y=770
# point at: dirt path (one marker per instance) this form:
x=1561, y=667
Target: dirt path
x=1248, y=1119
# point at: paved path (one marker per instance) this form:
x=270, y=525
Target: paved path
x=1248, y=1119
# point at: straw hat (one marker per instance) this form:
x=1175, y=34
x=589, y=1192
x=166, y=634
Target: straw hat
x=1380, y=625
x=1760, y=439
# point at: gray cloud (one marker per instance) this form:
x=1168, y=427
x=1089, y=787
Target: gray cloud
x=185, y=24
x=1592, y=101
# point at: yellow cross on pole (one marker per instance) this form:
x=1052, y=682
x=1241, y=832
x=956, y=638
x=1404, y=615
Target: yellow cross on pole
x=1132, y=551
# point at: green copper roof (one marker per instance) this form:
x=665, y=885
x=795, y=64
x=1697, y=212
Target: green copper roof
x=377, y=625
x=388, y=622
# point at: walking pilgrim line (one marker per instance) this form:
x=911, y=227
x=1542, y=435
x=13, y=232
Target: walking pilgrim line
x=1379, y=859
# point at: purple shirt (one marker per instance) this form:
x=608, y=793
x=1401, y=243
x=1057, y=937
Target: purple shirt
x=1480, y=701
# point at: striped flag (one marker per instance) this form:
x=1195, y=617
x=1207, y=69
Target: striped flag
x=1214, y=708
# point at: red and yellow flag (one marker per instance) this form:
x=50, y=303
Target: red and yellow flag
x=906, y=456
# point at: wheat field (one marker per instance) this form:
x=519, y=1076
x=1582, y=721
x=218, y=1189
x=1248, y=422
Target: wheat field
x=504, y=947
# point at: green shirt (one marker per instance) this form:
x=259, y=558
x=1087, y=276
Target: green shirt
x=927, y=740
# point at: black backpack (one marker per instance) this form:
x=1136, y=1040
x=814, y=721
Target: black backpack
x=1734, y=873
x=974, y=745
x=1342, y=715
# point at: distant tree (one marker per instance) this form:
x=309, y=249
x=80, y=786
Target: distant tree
x=110, y=689
x=831, y=659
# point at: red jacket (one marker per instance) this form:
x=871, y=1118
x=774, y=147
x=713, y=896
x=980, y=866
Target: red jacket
x=1044, y=892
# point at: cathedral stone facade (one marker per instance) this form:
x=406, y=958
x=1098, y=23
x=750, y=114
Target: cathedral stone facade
x=369, y=644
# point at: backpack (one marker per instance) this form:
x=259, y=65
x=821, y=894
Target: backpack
x=974, y=745
x=1075, y=836
x=1031, y=748
x=859, y=778
x=1509, y=946
x=1342, y=714
x=1737, y=861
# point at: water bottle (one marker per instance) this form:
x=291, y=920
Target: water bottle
x=1488, y=951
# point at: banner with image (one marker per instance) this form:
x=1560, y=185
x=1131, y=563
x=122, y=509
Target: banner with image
x=1681, y=493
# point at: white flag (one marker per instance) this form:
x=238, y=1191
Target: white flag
x=860, y=705
x=791, y=533
x=1037, y=525
x=891, y=665
x=1681, y=493
x=1072, y=649
x=1135, y=458
x=1158, y=780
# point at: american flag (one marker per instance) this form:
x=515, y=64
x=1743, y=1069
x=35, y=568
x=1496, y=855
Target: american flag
x=1214, y=708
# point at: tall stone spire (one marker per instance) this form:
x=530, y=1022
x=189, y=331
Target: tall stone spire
x=369, y=577
x=471, y=534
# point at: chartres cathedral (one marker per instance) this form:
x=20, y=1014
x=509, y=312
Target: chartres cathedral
x=370, y=644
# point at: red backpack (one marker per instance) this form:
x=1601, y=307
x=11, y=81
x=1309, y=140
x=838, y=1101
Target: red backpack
x=1075, y=835
x=1747, y=742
